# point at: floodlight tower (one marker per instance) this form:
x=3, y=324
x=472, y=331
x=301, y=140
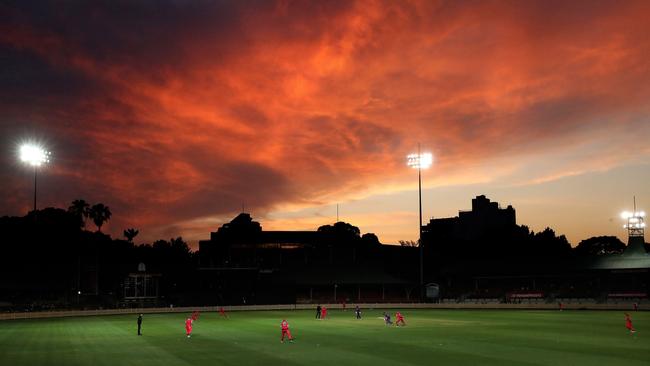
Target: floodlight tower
x=420, y=161
x=635, y=222
x=36, y=156
x=635, y=230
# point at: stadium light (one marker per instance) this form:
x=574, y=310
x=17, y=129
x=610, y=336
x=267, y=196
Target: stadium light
x=420, y=161
x=36, y=156
x=635, y=223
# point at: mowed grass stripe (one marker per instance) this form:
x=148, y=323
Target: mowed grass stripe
x=441, y=337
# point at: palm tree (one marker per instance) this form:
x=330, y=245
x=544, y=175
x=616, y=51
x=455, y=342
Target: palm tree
x=100, y=214
x=129, y=234
x=80, y=208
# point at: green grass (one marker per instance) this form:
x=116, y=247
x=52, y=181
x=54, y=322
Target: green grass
x=431, y=337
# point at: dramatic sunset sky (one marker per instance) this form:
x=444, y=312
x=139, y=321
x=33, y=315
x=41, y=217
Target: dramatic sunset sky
x=175, y=113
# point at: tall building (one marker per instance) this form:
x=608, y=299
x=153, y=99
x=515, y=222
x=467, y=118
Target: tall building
x=485, y=218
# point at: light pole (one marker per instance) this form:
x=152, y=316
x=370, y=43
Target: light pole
x=35, y=156
x=420, y=161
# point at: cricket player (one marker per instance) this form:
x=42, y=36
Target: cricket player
x=285, y=331
x=139, y=324
x=323, y=312
x=188, y=327
x=222, y=312
x=400, y=319
x=387, y=319
x=628, y=323
x=357, y=312
x=318, y=310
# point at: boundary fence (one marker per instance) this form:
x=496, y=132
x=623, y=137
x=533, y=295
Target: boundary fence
x=290, y=307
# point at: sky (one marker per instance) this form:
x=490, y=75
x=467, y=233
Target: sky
x=179, y=114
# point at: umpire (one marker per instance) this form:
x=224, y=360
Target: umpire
x=318, y=309
x=139, y=324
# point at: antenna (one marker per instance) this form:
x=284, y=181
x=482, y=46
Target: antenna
x=337, y=212
x=243, y=207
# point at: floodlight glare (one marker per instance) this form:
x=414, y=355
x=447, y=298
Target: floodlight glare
x=626, y=215
x=419, y=161
x=635, y=222
x=34, y=155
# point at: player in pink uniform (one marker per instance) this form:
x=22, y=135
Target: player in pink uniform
x=188, y=327
x=323, y=312
x=628, y=323
x=285, y=331
x=400, y=319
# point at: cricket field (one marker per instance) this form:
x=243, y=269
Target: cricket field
x=430, y=337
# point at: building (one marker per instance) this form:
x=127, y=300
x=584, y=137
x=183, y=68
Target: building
x=242, y=263
x=484, y=254
x=485, y=219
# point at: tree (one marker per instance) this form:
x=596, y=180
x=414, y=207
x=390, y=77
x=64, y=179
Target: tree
x=100, y=213
x=600, y=245
x=80, y=208
x=129, y=234
x=547, y=244
x=341, y=229
x=370, y=239
x=408, y=243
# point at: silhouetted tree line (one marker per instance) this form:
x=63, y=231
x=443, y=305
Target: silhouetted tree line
x=47, y=257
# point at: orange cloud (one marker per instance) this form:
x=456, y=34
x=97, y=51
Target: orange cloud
x=171, y=119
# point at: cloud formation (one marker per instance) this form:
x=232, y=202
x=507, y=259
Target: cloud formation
x=174, y=112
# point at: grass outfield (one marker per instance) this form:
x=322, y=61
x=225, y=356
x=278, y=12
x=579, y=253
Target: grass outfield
x=440, y=337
